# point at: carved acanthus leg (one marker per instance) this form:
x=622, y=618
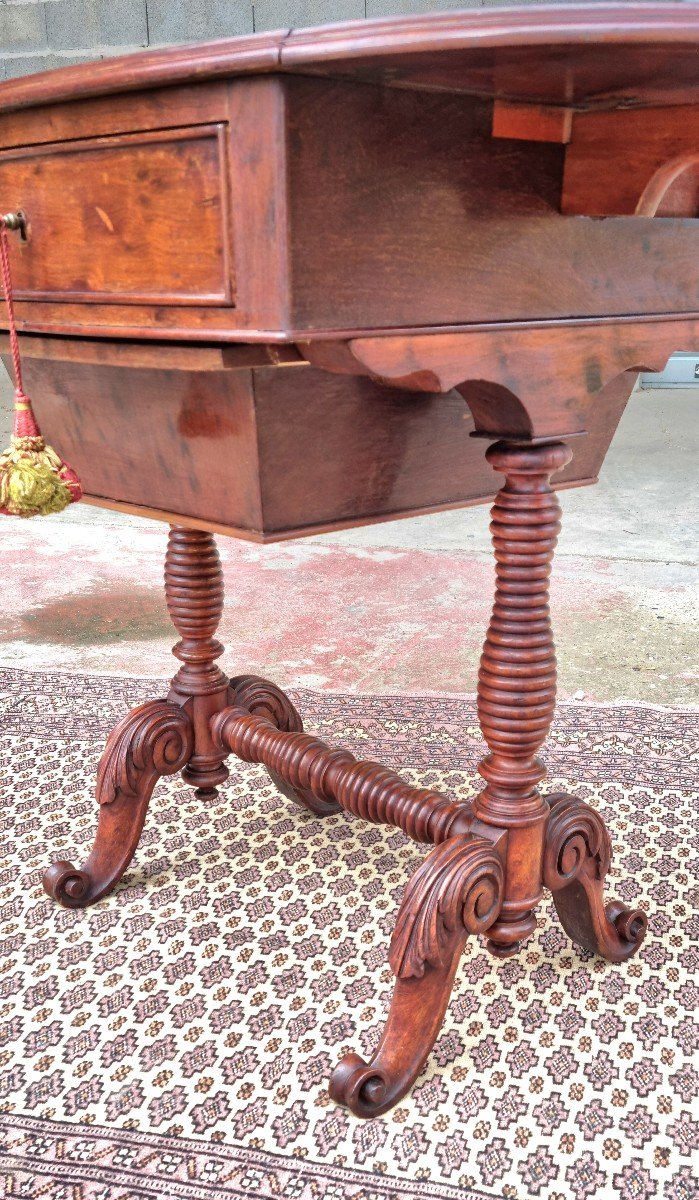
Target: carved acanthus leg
x=265, y=699
x=576, y=861
x=155, y=739
x=164, y=736
x=314, y=769
x=517, y=677
x=456, y=891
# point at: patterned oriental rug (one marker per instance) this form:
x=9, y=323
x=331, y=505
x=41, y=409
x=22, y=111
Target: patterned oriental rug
x=175, y=1040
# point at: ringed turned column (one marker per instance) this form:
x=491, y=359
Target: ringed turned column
x=517, y=676
x=194, y=595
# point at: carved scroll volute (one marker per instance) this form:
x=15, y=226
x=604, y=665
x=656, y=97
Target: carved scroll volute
x=457, y=890
x=576, y=838
x=155, y=738
x=265, y=699
x=577, y=855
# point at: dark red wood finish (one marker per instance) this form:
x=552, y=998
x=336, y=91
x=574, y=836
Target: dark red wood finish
x=394, y=235
x=233, y=445
x=491, y=858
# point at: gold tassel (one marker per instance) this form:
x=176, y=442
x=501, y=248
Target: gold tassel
x=30, y=481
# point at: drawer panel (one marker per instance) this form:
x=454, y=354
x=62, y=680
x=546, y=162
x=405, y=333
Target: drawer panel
x=134, y=218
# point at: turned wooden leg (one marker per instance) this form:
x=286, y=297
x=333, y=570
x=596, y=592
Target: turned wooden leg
x=456, y=891
x=576, y=861
x=517, y=677
x=194, y=595
x=265, y=699
x=155, y=739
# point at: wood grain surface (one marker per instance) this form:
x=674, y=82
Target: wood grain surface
x=466, y=223
x=107, y=214
x=547, y=53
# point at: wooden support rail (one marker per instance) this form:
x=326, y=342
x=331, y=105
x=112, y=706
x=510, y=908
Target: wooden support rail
x=365, y=789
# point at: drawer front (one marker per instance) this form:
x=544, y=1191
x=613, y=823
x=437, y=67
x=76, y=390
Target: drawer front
x=269, y=452
x=134, y=218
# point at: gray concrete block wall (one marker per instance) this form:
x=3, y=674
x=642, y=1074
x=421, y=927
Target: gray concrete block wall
x=36, y=35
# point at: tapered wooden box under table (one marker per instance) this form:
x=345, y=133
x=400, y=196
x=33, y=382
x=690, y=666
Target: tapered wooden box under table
x=294, y=282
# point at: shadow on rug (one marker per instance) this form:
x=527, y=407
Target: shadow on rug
x=175, y=1040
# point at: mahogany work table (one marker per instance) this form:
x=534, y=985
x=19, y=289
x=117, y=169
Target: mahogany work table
x=293, y=282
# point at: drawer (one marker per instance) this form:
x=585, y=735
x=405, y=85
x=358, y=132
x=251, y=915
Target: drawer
x=137, y=218
x=265, y=452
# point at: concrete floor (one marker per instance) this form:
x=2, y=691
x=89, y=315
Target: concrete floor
x=401, y=606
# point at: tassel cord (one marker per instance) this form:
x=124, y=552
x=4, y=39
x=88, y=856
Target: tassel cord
x=12, y=328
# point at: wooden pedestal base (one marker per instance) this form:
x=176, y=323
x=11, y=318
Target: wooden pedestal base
x=490, y=859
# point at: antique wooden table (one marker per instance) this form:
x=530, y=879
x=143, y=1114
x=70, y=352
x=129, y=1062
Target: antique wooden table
x=289, y=283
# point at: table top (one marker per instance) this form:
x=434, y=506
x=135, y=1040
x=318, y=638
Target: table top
x=551, y=54
x=485, y=136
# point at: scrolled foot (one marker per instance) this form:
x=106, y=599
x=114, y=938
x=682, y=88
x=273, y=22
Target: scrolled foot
x=456, y=891
x=155, y=739
x=66, y=884
x=361, y=1088
x=576, y=861
x=265, y=699
x=630, y=923
x=417, y=1010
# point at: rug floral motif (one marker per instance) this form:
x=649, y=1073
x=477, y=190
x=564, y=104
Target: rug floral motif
x=176, y=1039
